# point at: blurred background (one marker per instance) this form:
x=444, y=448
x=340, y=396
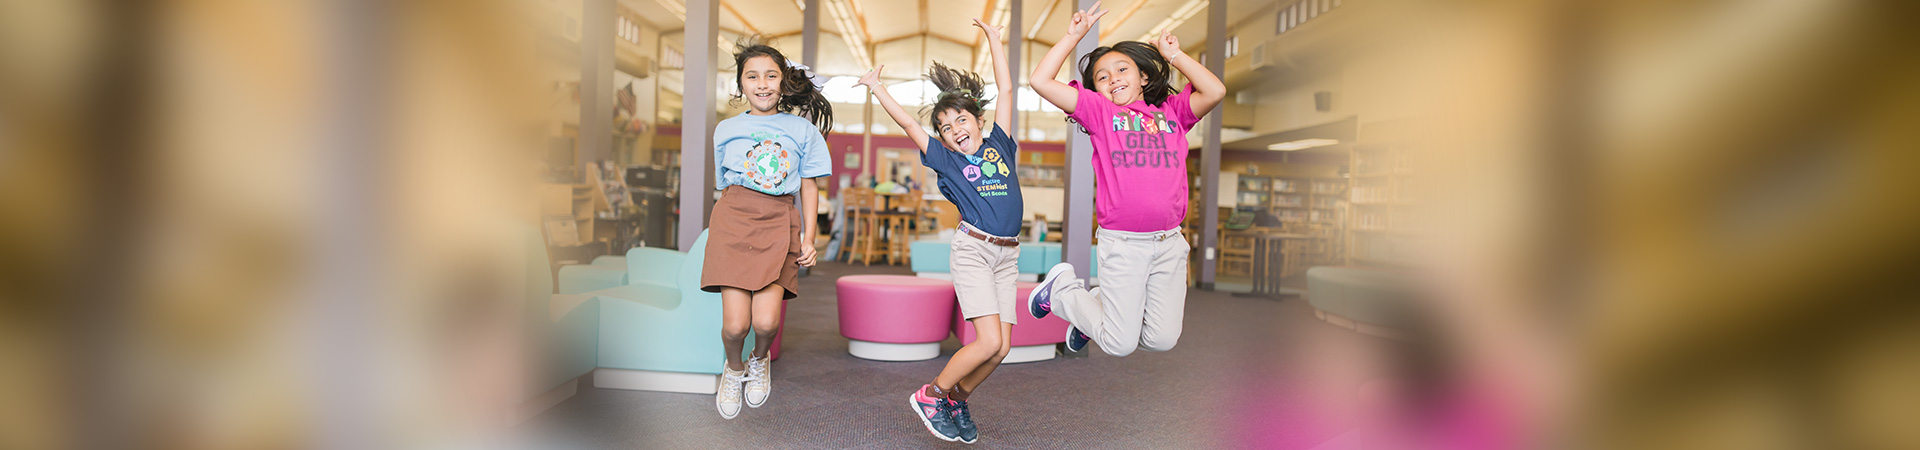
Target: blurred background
x=1640, y=224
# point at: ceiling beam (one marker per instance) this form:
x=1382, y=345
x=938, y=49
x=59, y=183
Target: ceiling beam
x=923, y=16
x=1124, y=15
x=1042, y=20
x=985, y=16
x=860, y=13
x=930, y=35
x=742, y=19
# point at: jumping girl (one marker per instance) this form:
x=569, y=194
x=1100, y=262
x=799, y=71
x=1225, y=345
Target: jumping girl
x=1138, y=126
x=757, y=240
x=975, y=161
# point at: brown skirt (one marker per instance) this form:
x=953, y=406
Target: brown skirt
x=753, y=241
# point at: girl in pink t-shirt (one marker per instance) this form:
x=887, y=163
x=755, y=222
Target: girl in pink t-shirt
x=1138, y=125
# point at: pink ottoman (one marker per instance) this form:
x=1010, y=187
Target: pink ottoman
x=895, y=317
x=1032, y=340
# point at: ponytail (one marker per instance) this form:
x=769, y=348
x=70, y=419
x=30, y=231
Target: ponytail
x=800, y=88
x=960, y=90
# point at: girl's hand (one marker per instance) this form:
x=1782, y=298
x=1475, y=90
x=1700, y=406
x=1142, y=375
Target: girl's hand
x=872, y=79
x=993, y=32
x=807, y=253
x=1169, y=45
x=1083, y=20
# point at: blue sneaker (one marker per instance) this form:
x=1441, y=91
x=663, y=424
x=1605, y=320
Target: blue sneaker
x=964, y=420
x=936, y=413
x=1076, y=341
x=1040, y=301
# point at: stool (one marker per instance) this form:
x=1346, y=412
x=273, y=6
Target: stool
x=895, y=317
x=1032, y=339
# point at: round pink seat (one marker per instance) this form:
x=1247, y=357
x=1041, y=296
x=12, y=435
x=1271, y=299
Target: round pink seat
x=895, y=317
x=1033, y=339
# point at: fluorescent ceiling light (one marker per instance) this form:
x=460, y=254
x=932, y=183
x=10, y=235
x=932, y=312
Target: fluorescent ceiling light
x=1302, y=144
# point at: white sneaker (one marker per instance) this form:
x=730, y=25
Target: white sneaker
x=728, y=399
x=759, y=381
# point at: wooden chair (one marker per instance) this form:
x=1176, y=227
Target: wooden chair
x=861, y=204
x=898, y=222
x=1236, y=254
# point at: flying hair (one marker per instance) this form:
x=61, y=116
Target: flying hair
x=960, y=90
x=798, y=95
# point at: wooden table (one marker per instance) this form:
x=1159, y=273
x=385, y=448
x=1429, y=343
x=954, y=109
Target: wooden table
x=1269, y=262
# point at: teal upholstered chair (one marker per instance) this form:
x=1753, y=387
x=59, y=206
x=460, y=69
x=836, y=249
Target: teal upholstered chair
x=563, y=328
x=660, y=332
x=931, y=258
x=1036, y=258
x=606, y=272
x=1367, y=300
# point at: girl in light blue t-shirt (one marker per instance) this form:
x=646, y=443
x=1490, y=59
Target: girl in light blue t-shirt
x=756, y=240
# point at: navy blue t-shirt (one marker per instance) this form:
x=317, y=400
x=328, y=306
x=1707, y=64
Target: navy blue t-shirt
x=983, y=185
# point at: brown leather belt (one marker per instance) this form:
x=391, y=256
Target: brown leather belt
x=995, y=240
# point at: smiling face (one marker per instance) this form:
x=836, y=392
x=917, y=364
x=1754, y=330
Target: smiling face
x=760, y=80
x=1117, y=78
x=959, y=130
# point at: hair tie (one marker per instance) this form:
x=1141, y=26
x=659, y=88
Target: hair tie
x=963, y=93
x=819, y=82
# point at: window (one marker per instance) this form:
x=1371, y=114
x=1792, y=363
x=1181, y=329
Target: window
x=1233, y=46
x=1293, y=15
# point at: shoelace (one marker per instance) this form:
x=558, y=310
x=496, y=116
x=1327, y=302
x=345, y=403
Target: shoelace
x=942, y=408
x=756, y=371
x=731, y=390
x=962, y=414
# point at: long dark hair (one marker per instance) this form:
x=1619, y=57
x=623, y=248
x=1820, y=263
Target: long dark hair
x=798, y=96
x=1153, y=68
x=960, y=90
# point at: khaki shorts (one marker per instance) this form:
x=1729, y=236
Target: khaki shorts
x=984, y=276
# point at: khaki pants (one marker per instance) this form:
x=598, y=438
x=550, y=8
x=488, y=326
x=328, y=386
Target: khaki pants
x=1142, y=299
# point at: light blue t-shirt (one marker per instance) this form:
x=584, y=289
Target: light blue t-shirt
x=769, y=154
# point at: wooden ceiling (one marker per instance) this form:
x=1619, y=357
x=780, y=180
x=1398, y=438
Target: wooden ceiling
x=906, y=35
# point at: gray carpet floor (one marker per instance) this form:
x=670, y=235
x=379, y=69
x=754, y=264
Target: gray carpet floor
x=1249, y=372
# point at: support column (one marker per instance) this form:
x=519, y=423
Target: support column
x=1076, y=237
x=810, y=34
x=596, y=83
x=810, y=55
x=1015, y=41
x=1209, y=254
x=697, y=119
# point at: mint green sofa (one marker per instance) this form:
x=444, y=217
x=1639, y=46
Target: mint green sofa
x=659, y=331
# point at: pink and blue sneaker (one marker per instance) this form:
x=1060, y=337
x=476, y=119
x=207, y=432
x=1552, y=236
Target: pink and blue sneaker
x=937, y=414
x=963, y=420
x=1040, y=301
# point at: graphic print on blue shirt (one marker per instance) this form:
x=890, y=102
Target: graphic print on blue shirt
x=767, y=163
x=983, y=186
x=988, y=174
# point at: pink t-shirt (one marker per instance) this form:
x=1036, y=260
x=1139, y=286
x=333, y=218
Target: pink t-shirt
x=1139, y=159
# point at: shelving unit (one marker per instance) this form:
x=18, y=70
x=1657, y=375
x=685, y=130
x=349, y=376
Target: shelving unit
x=1387, y=216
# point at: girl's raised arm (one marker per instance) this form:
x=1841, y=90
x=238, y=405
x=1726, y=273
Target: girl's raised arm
x=1003, y=113
x=1208, y=91
x=1060, y=94
x=900, y=115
